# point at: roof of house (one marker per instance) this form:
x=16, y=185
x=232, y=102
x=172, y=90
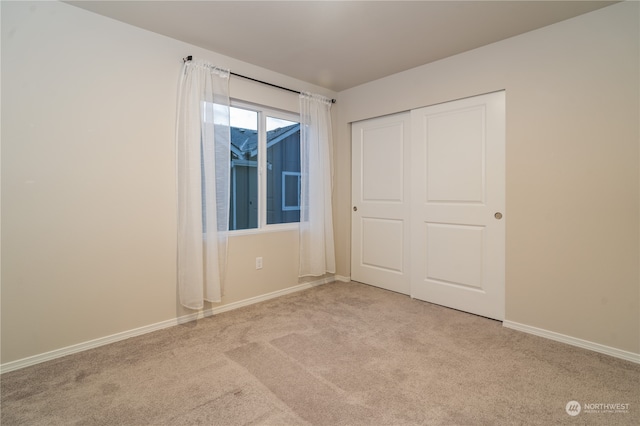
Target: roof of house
x=244, y=142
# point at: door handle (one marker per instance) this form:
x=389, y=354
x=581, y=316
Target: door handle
x=498, y=215
x=355, y=208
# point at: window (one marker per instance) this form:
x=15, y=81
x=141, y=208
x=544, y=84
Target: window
x=265, y=168
x=290, y=190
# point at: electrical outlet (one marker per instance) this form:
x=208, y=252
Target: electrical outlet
x=258, y=263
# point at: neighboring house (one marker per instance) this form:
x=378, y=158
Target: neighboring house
x=283, y=176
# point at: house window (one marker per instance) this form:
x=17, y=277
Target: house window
x=265, y=168
x=290, y=191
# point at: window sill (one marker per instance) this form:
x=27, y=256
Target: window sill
x=282, y=227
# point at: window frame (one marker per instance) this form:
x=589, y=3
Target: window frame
x=263, y=112
x=285, y=207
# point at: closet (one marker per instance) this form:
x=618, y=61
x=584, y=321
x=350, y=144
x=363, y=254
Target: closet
x=428, y=203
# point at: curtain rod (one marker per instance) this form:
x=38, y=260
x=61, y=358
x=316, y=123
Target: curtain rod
x=189, y=58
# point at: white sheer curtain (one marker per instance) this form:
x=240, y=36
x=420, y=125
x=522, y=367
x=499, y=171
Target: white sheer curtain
x=317, y=253
x=202, y=150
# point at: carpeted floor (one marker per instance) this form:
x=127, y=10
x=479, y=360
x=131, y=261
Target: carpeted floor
x=337, y=354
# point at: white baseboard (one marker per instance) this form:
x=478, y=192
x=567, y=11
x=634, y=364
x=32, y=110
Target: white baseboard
x=574, y=341
x=58, y=353
x=264, y=297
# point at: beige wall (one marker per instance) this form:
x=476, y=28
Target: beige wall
x=88, y=179
x=572, y=183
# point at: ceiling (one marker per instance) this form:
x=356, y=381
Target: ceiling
x=340, y=44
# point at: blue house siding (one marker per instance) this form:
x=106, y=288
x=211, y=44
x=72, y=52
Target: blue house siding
x=283, y=159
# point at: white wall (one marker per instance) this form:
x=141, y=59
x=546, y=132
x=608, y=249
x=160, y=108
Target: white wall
x=88, y=179
x=572, y=183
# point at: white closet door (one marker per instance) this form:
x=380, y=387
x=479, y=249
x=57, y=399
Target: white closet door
x=380, y=237
x=458, y=204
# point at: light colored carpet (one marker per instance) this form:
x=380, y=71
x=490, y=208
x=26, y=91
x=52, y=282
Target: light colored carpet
x=338, y=354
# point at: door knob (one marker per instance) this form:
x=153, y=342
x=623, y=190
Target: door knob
x=355, y=209
x=498, y=215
